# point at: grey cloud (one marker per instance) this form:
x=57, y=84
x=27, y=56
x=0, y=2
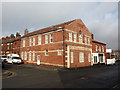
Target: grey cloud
x=19, y=16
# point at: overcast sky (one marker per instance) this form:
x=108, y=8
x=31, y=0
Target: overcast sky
x=101, y=18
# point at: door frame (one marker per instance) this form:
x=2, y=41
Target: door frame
x=38, y=61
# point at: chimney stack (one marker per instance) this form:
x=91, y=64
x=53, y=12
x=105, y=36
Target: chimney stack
x=12, y=36
x=92, y=37
x=18, y=35
x=26, y=31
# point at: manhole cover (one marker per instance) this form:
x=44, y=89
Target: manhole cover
x=7, y=74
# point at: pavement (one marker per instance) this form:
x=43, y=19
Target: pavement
x=33, y=76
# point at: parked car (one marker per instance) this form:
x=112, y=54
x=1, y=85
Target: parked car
x=3, y=57
x=117, y=62
x=14, y=58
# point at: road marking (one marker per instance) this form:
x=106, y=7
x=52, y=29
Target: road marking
x=13, y=74
x=115, y=87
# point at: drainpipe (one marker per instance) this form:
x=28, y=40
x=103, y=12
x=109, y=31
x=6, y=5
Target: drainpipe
x=63, y=49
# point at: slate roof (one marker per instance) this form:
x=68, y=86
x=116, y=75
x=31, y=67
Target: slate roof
x=98, y=42
x=11, y=40
x=48, y=29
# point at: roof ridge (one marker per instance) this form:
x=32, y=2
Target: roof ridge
x=50, y=28
x=99, y=42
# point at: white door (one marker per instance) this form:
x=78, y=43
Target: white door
x=38, y=60
x=95, y=58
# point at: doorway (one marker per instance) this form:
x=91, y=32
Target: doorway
x=100, y=58
x=38, y=60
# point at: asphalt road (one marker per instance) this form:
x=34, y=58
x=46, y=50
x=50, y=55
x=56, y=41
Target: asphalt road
x=89, y=77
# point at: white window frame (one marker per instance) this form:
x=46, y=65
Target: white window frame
x=46, y=53
x=80, y=38
x=30, y=41
x=85, y=39
x=24, y=42
x=46, y=39
x=96, y=47
x=88, y=40
x=81, y=57
x=89, y=57
x=29, y=55
x=71, y=57
x=70, y=36
x=38, y=57
x=59, y=52
x=39, y=40
x=102, y=48
x=51, y=38
x=33, y=55
x=34, y=41
x=75, y=37
x=25, y=56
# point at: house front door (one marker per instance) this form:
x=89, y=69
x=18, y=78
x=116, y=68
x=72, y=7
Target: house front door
x=38, y=60
x=101, y=58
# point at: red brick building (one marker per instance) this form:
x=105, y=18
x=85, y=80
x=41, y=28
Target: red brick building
x=67, y=45
x=98, y=52
x=10, y=44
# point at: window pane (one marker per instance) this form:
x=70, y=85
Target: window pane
x=46, y=39
x=70, y=36
x=75, y=37
x=81, y=57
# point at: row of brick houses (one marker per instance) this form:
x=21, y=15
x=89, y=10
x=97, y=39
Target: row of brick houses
x=68, y=45
x=10, y=44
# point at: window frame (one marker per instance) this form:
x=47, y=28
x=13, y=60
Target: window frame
x=96, y=48
x=75, y=37
x=81, y=57
x=46, y=53
x=24, y=42
x=89, y=57
x=71, y=57
x=88, y=40
x=39, y=40
x=59, y=52
x=70, y=36
x=46, y=39
x=51, y=38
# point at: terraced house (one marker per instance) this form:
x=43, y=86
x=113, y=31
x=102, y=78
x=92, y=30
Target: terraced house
x=67, y=45
x=98, y=52
x=10, y=44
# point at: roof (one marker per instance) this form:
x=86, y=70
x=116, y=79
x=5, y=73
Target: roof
x=48, y=29
x=98, y=42
x=11, y=40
